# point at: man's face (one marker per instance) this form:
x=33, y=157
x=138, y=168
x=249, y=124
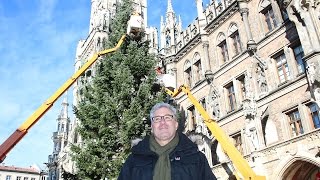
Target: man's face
x=165, y=129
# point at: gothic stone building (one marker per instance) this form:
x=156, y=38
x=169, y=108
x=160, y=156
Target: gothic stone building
x=254, y=66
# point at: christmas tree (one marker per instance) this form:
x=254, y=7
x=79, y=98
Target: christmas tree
x=115, y=107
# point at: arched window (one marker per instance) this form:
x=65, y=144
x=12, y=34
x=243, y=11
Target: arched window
x=222, y=48
x=168, y=38
x=269, y=131
x=188, y=73
x=62, y=127
x=269, y=20
x=176, y=35
x=197, y=67
x=235, y=39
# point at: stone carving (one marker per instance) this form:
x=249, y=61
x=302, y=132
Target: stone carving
x=168, y=40
x=309, y=3
x=314, y=73
x=252, y=137
x=249, y=108
x=262, y=82
x=317, y=95
x=214, y=101
x=314, y=77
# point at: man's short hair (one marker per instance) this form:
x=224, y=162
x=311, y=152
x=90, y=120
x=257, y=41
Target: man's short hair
x=161, y=105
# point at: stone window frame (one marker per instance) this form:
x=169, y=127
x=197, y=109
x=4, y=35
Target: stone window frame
x=222, y=48
x=293, y=56
x=233, y=33
x=263, y=7
x=238, y=136
x=295, y=122
x=188, y=76
x=198, y=75
x=311, y=113
x=288, y=52
x=305, y=118
x=241, y=87
x=284, y=65
x=191, y=118
x=230, y=106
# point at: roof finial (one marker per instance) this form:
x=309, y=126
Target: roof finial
x=170, y=9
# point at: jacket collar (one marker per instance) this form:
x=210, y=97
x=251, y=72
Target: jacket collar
x=185, y=144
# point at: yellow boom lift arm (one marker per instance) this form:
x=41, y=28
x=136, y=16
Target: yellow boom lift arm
x=16, y=136
x=134, y=29
x=241, y=165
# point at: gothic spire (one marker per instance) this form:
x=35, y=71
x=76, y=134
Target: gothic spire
x=64, y=110
x=170, y=9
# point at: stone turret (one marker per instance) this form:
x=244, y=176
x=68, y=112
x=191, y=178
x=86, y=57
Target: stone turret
x=170, y=31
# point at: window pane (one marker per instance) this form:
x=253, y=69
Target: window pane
x=188, y=77
x=314, y=110
x=224, y=51
x=192, y=116
x=236, y=42
x=198, y=71
x=295, y=123
x=283, y=68
x=231, y=97
x=274, y=21
x=238, y=143
x=298, y=54
x=270, y=18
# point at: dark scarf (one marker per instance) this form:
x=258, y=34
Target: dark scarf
x=162, y=169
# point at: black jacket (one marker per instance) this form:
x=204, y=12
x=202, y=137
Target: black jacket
x=187, y=162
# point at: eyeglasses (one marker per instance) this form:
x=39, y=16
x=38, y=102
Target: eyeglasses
x=166, y=118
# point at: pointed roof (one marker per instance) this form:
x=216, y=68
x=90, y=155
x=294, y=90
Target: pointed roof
x=169, y=9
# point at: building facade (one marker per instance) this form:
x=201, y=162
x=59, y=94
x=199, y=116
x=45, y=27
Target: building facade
x=254, y=66
x=17, y=173
x=60, y=144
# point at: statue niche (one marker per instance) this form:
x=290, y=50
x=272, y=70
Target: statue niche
x=214, y=101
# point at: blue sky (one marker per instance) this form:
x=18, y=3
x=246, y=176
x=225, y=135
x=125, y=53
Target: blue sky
x=38, y=40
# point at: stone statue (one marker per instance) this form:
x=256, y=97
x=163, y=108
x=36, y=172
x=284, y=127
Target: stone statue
x=314, y=72
x=314, y=77
x=214, y=102
x=252, y=137
x=168, y=39
x=262, y=82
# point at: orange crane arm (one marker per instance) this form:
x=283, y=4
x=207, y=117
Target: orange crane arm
x=237, y=159
x=16, y=136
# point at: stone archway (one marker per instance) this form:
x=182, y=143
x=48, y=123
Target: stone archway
x=299, y=168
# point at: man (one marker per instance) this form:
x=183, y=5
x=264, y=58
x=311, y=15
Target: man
x=165, y=154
